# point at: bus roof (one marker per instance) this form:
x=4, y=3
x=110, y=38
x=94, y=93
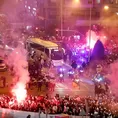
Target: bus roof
x=44, y=43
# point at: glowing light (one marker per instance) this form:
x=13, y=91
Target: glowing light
x=77, y=37
x=78, y=66
x=19, y=62
x=81, y=71
x=36, y=28
x=11, y=102
x=99, y=80
x=77, y=80
x=61, y=75
x=6, y=46
x=76, y=1
x=106, y=7
x=74, y=53
x=62, y=69
x=82, y=59
x=91, y=41
x=83, y=51
x=104, y=37
x=19, y=91
x=28, y=27
x=34, y=9
x=116, y=13
x=29, y=7
x=71, y=72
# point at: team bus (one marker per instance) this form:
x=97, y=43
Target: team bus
x=48, y=48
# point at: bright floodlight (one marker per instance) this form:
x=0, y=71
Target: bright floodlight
x=106, y=7
x=76, y=0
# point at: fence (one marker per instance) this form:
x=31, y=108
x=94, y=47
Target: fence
x=22, y=114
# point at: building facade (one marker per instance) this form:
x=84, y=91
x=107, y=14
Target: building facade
x=67, y=14
x=108, y=12
x=71, y=14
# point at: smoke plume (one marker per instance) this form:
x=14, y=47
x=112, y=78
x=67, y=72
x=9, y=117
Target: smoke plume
x=114, y=77
x=17, y=57
x=17, y=60
x=109, y=23
x=91, y=41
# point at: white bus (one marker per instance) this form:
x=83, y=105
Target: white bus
x=48, y=48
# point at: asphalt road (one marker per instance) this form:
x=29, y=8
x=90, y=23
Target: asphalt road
x=84, y=88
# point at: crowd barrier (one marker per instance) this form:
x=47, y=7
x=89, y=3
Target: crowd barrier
x=22, y=114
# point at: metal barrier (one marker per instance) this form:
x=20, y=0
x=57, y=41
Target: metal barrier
x=8, y=113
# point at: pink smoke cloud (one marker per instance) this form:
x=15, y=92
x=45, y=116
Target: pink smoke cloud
x=18, y=60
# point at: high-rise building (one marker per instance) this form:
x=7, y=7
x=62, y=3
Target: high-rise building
x=108, y=10
x=33, y=11
x=67, y=14
x=28, y=9
x=77, y=13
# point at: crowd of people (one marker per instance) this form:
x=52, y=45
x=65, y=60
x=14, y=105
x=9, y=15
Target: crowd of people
x=77, y=53
x=101, y=106
x=41, y=81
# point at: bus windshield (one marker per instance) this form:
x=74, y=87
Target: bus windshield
x=56, y=54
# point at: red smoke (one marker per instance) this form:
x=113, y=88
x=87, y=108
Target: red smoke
x=18, y=61
x=94, y=37
x=20, y=92
x=91, y=41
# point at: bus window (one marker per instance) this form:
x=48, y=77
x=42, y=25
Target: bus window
x=47, y=52
x=41, y=49
x=27, y=46
x=56, y=54
x=37, y=46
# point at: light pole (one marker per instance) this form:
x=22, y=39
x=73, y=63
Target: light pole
x=91, y=2
x=61, y=16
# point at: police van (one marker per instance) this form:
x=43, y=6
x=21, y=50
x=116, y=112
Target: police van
x=48, y=49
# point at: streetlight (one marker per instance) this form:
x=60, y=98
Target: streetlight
x=91, y=2
x=61, y=17
x=76, y=1
x=106, y=7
